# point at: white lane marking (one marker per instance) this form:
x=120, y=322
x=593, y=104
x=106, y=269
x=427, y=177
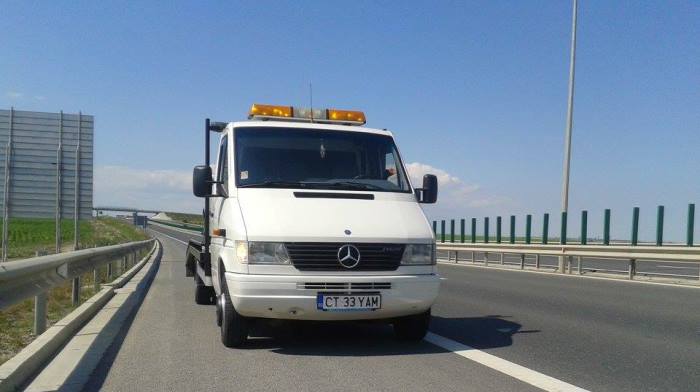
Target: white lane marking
x=522, y=373
x=171, y=237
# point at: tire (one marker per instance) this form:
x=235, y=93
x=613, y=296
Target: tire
x=412, y=328
x=203, y=295
x=234, y=327
x=219, y=306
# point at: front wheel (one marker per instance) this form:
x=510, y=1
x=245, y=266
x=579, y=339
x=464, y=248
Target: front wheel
x=412, y=328
x=234, y=327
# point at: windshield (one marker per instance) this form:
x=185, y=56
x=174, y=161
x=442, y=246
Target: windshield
x=317, y=159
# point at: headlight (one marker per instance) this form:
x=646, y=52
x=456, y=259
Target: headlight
x=419, y=254
x=262, y=252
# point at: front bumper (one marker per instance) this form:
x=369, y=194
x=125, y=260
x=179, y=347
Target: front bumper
x=286, y=296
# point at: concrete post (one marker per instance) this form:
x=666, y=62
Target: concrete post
x=96, y=279
x=40, y=314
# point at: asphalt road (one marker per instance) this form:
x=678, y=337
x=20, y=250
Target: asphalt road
x=596, y=334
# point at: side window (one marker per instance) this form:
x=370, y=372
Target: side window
x=222, y=167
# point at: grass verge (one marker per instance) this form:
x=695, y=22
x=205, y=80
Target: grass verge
x=28, y=236
x=186, y=218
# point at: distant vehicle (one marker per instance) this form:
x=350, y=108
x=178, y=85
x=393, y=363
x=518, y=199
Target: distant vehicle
x=312, y=217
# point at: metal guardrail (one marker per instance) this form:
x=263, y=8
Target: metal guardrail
x=177, y=224
x=23, y=279
x=677, y=254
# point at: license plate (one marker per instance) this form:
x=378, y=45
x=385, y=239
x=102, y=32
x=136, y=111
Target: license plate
x=348, y=302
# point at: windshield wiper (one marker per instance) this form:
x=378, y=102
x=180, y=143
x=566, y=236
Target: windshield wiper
x=355, y=185
x=274, y=184
x=313, y=184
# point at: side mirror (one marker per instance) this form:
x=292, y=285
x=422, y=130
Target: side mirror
x=201, y=181
x=429, y=191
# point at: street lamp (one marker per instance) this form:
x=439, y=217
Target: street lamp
x=569, y=124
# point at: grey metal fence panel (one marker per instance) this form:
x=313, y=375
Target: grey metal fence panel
x=34, y=160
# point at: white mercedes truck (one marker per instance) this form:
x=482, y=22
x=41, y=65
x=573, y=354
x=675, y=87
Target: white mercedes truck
x=309, y=215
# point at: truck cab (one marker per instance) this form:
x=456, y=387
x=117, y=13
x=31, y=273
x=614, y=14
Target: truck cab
x=309, y=215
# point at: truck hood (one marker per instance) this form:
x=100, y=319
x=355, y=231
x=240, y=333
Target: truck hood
x=278, y=215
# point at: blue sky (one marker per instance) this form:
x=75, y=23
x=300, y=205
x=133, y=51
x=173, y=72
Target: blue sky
x=473, y=90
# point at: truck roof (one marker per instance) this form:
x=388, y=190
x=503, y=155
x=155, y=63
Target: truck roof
x=308, y=125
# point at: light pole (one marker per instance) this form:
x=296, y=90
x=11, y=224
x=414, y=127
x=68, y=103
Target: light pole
x=569, y=123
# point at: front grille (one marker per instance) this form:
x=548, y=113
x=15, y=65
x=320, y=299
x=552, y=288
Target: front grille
x=344, y=286
x=323, y=256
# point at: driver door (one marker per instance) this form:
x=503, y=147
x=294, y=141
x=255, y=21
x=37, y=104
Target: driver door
x=217, y=206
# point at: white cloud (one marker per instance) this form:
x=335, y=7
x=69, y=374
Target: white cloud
x=16, y=95
x=455, y=196
x=169, y=190
x=488, y=202
x=453, y=186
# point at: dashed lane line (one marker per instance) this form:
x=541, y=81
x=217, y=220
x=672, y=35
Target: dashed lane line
x=514, y=370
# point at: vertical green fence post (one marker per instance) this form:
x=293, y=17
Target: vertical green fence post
x=545, y=228
x=562, y=235
x=512, y=229
x=660, y=226
x=632, y=269
x=486, y=230
x=498, y=229
x=691, y=224
x=635, y=226
x=435, y=228
x=606, y=227
x=473, y=230
x=461, y=230
x=452, y=230
x=442, y=230
x=528, y=229
x=584, y=238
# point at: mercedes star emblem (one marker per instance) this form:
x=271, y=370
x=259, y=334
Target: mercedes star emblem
x=348, y=256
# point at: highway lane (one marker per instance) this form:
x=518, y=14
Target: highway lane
x=173, y=344
x=596, y=334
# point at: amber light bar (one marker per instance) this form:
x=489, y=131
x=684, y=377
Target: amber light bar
x=346, y=116
x=289, y=113
x=270, y=111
